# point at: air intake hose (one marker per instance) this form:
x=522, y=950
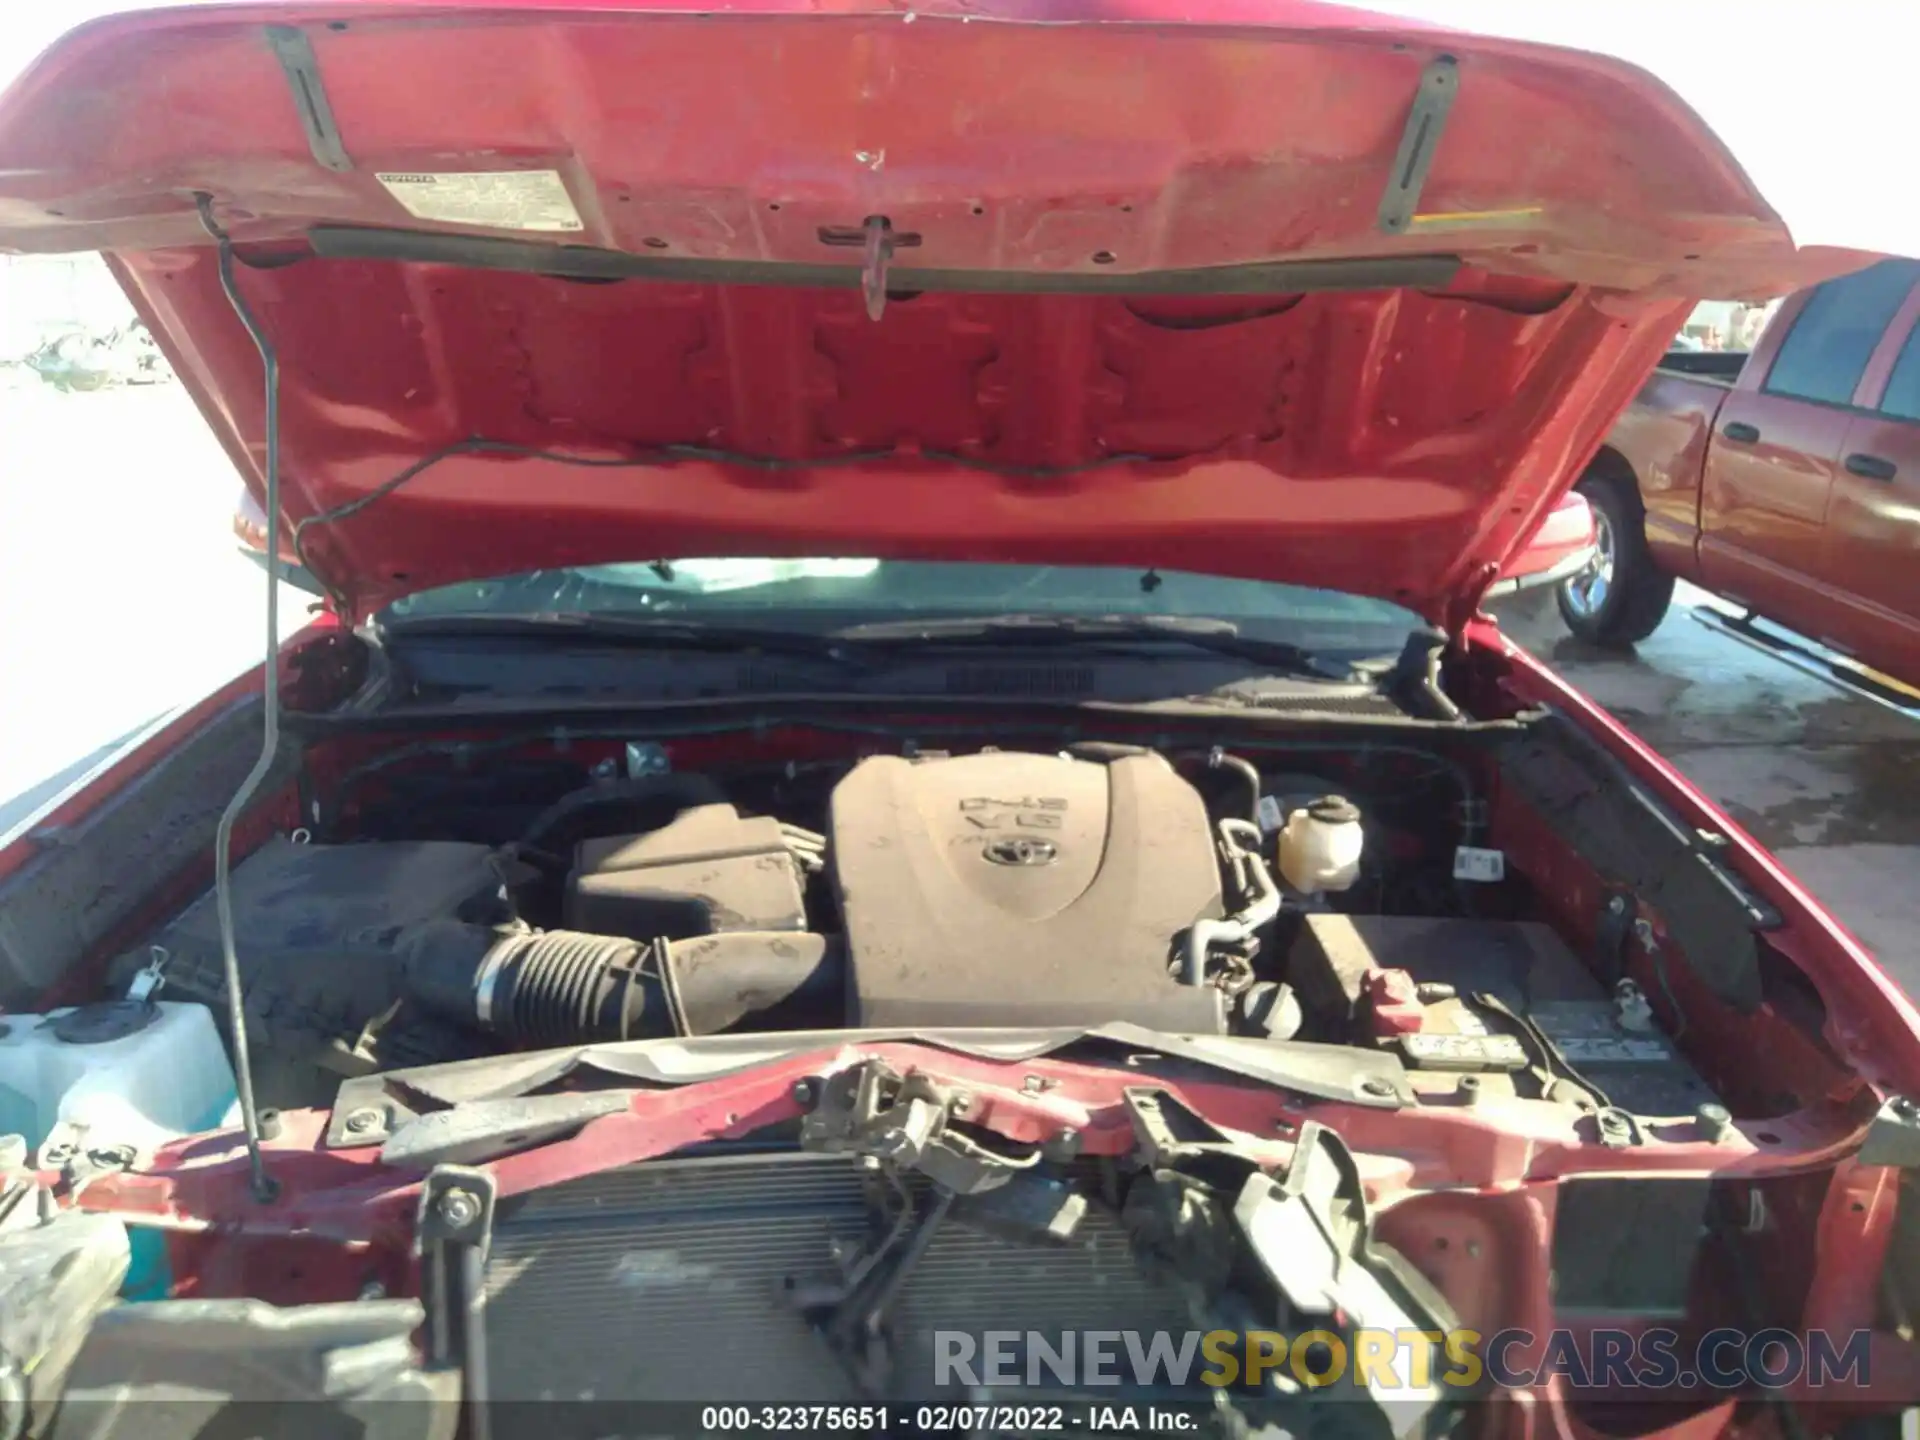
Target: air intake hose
x=563, y=987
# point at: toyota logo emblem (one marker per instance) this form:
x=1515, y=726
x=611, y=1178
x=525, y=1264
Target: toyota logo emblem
x=1022, y=850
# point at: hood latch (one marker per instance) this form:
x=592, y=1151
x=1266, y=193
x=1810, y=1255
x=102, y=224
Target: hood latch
x=877, y=240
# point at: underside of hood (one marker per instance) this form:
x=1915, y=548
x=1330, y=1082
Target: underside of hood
x=1268, y=289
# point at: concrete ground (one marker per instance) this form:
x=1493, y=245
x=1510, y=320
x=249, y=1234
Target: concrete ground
x=122, y=595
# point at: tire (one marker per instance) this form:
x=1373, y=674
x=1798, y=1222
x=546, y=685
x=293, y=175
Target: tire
x=1623, y=599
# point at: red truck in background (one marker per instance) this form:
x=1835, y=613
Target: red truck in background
x=1787, y=481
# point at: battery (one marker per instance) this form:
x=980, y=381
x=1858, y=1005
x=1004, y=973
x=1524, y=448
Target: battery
x=1640, y=1070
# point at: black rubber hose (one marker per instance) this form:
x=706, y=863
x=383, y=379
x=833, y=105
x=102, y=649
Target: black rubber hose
x=653, y=801
x=564, y=987
x=1246, y=770
x=1416, y=676
x=1105, y=752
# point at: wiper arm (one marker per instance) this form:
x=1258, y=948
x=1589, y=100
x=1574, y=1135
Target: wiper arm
x=642, y=632
x=1221, y=637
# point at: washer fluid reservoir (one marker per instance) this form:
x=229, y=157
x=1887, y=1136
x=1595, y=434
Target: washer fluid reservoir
x=125, y=1075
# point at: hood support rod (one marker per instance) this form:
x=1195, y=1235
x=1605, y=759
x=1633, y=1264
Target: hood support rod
x=264, y=1186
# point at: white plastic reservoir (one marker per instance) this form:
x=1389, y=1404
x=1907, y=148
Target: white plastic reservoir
x=1321, y=845
x=125, y=1072
x=122, y=1073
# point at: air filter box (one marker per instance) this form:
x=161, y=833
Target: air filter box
x=708, y=871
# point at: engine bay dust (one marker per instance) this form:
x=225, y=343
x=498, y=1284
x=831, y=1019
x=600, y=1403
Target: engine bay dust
x=908, y=1044
x=1097, y=884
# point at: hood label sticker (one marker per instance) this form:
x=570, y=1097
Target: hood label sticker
x=497, y=199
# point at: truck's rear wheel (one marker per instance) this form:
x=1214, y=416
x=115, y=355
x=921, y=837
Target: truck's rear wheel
x=1623, y=596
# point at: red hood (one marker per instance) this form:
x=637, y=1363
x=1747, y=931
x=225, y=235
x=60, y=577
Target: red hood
x=1070, y=369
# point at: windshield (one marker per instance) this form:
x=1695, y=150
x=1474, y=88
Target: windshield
x=820, y=594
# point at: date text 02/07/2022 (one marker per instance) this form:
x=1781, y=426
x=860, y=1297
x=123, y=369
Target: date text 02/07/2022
x=948, y=1419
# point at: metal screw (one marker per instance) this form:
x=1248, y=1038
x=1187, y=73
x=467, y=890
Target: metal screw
x=359, y=1122
x=1714, y=1121
x=962, y=1102
x=647, y=757
x=1380, y=1089
x=459, y=1208
x=805, y=1094
x=1618, y=904
x=1906, y=1107
x=1643, y=932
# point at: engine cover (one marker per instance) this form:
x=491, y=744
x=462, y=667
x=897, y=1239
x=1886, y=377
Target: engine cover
x=1021, y=889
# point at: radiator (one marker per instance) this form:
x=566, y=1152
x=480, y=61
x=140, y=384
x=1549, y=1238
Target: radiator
x=669, y=1281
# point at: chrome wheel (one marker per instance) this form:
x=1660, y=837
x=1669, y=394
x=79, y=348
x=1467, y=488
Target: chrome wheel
x=1587, y=592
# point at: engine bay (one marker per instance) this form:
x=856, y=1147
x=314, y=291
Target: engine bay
x=1096, y=885
x=887, y=1023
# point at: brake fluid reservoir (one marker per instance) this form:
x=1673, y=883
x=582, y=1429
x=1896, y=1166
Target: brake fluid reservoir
x=1320, y=845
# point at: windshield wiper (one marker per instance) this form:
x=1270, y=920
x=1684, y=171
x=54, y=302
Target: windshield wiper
x=1220, y=637
x=639, y=631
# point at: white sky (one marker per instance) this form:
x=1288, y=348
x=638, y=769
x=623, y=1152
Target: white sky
x=1815, y=97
